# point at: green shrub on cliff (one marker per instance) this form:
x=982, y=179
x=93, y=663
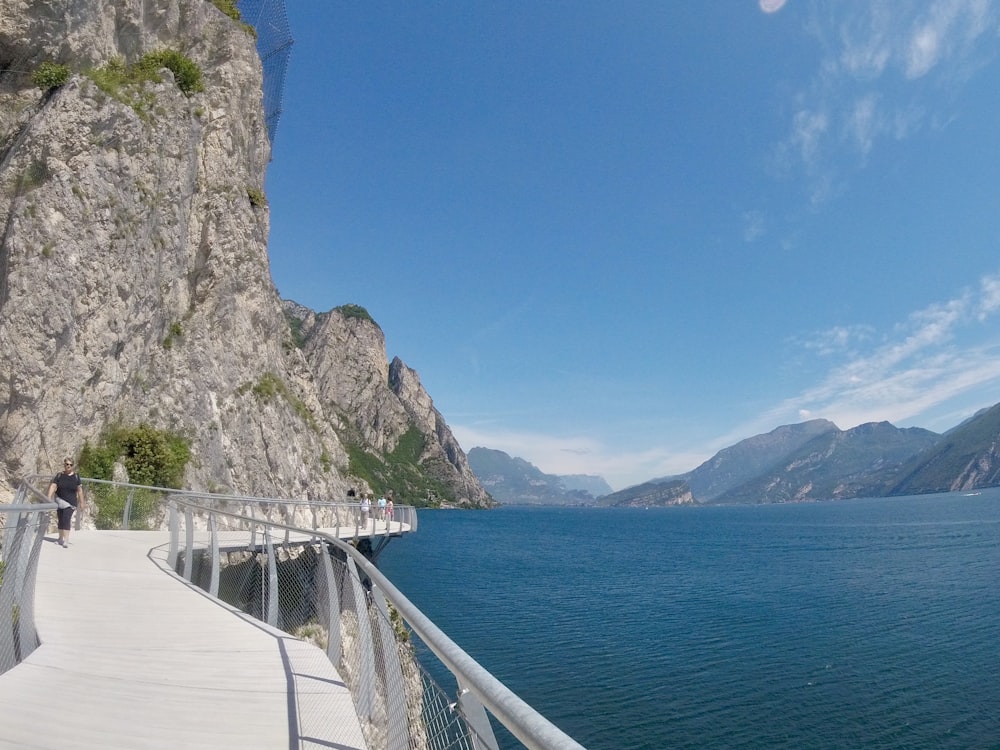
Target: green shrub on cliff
x=124, y=83
x=230, y=9
x=50, y=75
x=187, y=74
x=151, y=457
x=355, y=311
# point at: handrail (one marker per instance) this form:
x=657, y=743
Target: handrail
x=523, y=721
x=406, y=514
x=365, y=602
x=23, y=525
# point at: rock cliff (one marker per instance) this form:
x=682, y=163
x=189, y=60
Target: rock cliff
x=134, y=277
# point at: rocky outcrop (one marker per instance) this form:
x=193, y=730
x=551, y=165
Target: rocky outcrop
x=134, y=276
x=651, y=495
x=377, y=403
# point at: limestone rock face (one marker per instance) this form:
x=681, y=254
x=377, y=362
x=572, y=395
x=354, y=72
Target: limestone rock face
x=442, y=456
x=379, y=402
x=134, y=276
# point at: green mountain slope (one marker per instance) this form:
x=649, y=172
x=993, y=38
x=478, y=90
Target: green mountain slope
x=967, y=457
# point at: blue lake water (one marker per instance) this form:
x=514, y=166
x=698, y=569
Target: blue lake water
x=856, y=624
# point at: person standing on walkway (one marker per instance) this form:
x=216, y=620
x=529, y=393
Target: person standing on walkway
x=366, y=507
x=66, y=486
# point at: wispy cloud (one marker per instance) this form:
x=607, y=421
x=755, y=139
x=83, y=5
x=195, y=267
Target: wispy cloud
x=753, y=225
x=580, y=455
x=920, y=366
x=887, y=68
x=903, y=373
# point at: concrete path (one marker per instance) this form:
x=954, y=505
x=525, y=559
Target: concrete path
x=134, y=657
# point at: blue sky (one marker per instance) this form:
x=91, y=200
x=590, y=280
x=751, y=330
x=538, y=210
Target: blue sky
x=614, y=238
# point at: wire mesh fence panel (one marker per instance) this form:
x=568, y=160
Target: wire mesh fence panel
x=274, y=44
x=21, y=538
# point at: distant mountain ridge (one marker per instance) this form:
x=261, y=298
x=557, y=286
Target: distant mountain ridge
x=816, y=460
x=747, y=459
x=967, y=457
x=835, y=464
x=805, y=462
x=513, y=480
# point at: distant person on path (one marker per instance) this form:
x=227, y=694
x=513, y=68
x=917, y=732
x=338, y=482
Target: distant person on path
x=388, y=511
x=366, y=508
x=381, y=507
x=352, y=498
x=67, y=487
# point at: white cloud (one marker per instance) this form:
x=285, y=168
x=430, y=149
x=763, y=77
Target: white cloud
x=838, y=340
x=912, y=369
x=947, y=29
x=580, y=455
x=864, y=124
x=989, y=300
x=868, y=86
x=808, y=129
x=753, y=225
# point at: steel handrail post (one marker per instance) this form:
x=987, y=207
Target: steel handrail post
x=174, y=527
x=330, y=612
x=127, y=512
x=188, y=544
x=272, y=580
x=27, y=632
x=397, y=734
x=213, y=584
x=366, y=669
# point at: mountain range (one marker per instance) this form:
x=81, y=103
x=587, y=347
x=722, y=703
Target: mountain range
x=514, y=481
x=809, y=461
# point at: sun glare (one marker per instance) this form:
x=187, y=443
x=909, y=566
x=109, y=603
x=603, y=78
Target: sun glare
x=771, y=6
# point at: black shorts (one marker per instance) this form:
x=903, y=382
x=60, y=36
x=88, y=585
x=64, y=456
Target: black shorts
x=65, y=516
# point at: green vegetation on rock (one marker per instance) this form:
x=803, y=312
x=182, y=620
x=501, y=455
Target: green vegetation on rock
x=230, y=9
x=269, y=387
x=355, y=311
x=187, y=74
x=399, y=471
x=173, y=334
x=50, y=75
x=125, y=83
x=151, y=457
x=256, y=197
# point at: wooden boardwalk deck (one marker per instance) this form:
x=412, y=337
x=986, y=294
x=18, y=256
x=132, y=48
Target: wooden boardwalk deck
x=134, y=657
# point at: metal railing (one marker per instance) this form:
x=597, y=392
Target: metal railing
x=23, y=524
x=119, y=505
x=299, y=566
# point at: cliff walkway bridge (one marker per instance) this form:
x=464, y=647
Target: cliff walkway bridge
x=187, y=620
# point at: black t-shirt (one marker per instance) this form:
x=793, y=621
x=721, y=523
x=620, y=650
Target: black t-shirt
x=66, y=486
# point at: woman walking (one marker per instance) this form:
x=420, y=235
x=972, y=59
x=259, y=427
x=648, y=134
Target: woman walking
x=66, y=486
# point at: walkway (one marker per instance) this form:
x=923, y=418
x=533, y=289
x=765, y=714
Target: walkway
x=134, y=657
